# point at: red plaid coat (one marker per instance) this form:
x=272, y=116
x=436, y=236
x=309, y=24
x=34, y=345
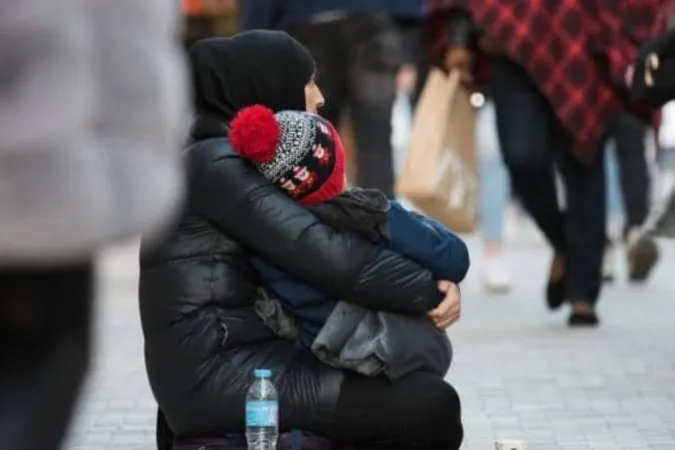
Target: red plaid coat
x=576, y=51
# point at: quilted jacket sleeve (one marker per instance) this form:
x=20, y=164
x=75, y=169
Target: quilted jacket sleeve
x=242, y=203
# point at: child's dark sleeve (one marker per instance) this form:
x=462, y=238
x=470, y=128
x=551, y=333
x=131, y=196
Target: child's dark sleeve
x=428, y=243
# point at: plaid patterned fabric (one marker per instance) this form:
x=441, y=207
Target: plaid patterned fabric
x=576, y=51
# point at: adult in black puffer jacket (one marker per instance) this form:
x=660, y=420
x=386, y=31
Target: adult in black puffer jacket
x=202, y=337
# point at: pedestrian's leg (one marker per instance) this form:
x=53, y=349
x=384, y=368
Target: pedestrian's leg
x=642, y=253
x=375, y=56
x=525, y=129
x=585, y=228
x=44, y=352
x=326, y=45
x=615, y=210
x=494, y=196
x=323, y=42
x=629, y=136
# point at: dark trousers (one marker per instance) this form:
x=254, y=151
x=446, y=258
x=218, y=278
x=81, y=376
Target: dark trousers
x=532, y=143
x=357, y=60
x=419, y=411
x=44, y=352
x=629, y=136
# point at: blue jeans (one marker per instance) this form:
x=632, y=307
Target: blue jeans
x=494, y=197
x=532, y=142
x=495, y=188
x=614, y=197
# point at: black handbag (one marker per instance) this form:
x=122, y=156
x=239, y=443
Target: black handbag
x=653, y=76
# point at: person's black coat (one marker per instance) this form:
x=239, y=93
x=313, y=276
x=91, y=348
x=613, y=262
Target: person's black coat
x=202, y=338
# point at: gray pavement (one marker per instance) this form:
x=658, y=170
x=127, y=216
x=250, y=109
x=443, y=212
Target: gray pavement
x=520, y=372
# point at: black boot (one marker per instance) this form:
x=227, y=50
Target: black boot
x=556, y=289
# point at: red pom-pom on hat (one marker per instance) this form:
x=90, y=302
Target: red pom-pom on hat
x=255, y=133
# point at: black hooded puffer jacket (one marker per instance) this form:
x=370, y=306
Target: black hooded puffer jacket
x=202, y=337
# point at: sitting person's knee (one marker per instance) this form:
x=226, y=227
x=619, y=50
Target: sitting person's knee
x=445, y=415
x=438, y=409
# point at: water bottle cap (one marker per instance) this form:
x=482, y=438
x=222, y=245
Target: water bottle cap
x=263, y=373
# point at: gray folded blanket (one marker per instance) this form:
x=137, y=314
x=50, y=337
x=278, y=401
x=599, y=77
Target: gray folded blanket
x=369, y=342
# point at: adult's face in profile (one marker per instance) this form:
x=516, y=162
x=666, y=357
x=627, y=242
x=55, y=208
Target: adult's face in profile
x=313, y=97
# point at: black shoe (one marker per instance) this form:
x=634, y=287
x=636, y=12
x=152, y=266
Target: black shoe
x=555, y=294
x=556, y=291
x=583, y=320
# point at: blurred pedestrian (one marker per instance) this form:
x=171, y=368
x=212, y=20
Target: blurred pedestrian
x=358, y=49
x=555, y=72
x=495, y=192
x=651, y=81
x=630, y=137
x=92, y=96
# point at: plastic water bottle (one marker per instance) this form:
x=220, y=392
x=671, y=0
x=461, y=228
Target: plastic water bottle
x=262, y=412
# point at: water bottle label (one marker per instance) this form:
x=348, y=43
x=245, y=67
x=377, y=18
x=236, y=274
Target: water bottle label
x=262, y=413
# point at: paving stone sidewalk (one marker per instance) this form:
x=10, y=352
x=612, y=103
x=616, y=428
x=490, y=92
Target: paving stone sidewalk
x=521, y=373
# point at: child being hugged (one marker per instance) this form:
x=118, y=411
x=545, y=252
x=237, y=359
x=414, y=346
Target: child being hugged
x=302, y=154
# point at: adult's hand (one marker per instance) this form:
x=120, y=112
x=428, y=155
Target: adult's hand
x=459, y=58
x=489, y=45
x=450, y=309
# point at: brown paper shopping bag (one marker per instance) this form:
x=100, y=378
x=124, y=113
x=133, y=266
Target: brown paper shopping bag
x=439, y=174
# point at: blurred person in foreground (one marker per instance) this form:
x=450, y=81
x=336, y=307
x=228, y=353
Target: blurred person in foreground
x=89, y=154
x=556, y=73
x=358, y=48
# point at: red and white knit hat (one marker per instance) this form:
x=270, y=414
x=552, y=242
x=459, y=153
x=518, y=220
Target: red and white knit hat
x=299, y=152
